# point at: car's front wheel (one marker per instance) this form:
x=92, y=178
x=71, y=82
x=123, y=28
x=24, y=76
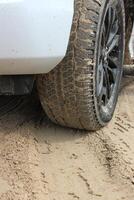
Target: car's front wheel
x=82, y=91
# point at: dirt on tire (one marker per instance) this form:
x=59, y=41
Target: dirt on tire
x=75, y=93
x=39, y=160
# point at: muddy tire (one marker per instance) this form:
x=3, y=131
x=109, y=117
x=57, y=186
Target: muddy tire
x=82, y=91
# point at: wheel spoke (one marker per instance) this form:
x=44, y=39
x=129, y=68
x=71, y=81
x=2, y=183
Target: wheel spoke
x=113, y=33
x=100, y=77
x=110, y=21
x=107, y=80
x=104, y=42
x=113, y=43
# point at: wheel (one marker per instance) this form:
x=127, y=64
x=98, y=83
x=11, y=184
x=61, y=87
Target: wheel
x=82, y=91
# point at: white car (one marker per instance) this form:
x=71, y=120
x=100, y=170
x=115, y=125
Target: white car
x=72, y=49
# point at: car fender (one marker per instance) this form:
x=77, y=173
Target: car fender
x=34, y=34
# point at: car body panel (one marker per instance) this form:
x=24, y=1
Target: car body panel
x=34, y=34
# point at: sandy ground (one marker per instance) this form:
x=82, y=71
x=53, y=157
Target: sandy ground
x=42, y=161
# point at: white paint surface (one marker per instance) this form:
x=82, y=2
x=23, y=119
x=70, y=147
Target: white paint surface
x=34, y=34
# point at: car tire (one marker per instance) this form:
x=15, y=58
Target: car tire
x=82, y=91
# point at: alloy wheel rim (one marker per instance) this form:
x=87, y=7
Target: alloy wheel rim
x=109, y=58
